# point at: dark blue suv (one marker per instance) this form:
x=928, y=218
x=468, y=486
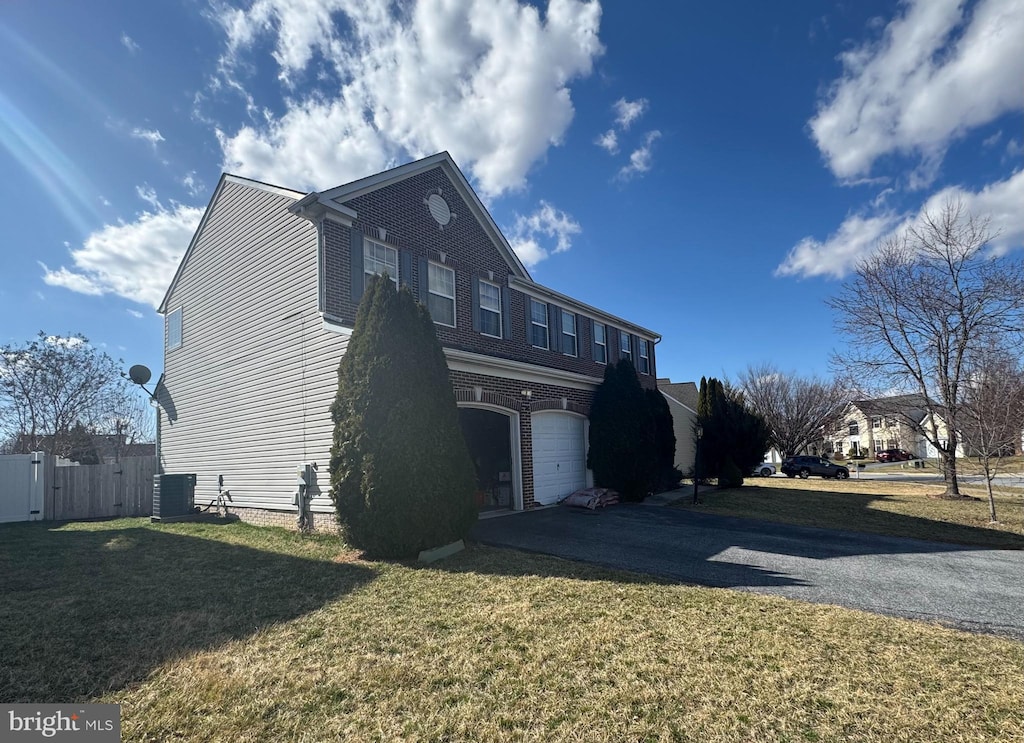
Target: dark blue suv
x=807, y=466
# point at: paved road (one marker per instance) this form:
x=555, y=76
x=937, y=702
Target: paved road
x=976, y=589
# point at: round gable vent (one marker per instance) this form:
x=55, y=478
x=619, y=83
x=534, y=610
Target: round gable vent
x=439, y=209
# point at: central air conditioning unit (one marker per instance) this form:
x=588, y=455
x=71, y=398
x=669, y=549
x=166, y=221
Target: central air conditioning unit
x=173, y=497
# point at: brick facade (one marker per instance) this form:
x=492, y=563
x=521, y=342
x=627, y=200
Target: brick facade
x=399, y=210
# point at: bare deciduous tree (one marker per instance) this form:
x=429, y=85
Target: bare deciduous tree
x=55, y=385
x=919, y=309
x=795, y=408
x=992, y=413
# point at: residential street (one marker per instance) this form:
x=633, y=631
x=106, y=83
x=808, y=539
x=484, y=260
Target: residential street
x=975, y=589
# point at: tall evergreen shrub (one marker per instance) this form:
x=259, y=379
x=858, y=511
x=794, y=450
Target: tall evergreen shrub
x=401, y=476
x=622, y=434
x=666, y=474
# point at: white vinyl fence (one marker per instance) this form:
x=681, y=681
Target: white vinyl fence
x=22, y=486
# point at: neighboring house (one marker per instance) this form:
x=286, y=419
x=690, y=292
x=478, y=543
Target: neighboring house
x=263, y=304
x=869, y=426
x=682, y=401
x=109, y=448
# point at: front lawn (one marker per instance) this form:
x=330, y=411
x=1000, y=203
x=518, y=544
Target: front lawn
x=902, y=509
x=235, y=633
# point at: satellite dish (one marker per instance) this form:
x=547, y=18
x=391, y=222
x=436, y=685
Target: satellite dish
x=139, y=374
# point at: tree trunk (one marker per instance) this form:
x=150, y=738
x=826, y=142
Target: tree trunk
x=949, y=470
x=991, y=499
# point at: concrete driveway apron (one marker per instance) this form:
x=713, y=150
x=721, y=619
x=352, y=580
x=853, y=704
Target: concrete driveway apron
x=971, y=588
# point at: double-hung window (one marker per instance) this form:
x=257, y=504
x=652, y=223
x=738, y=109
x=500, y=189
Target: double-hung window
x=625, y=347
x=538, y=324
x=600, y=343
x=645, y=358
x=568, y=333
x=441, y=296
x=490, y=309
x=174, y=329
x=379, y=259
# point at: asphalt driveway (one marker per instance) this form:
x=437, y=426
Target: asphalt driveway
x=972, y=588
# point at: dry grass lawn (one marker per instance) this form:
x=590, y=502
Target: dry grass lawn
x=902, y=509
x=234, y=633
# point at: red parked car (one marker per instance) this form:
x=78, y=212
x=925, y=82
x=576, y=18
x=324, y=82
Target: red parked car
x=894, y=455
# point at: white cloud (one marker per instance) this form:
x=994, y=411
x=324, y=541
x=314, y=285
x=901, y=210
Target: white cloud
x=129, y=43
x=148, y=194
x=640, y=158
x=153, y=136
x=608, y=141
x=626, y=112
x=547, y=221
x=860, y=234
x=487, y=80
x=192, y=184
x=1014, y=148
x=135, y=313
x=931, y=77
x=993, y=140
x=136, y=260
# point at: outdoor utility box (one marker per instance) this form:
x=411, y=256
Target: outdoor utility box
x=173, y=496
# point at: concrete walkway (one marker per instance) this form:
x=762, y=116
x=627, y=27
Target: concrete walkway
x=970, y=588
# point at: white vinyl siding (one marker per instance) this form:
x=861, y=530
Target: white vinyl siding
x=249, y=395
x=600, y=343
x=568, y=333
x=379, y=259
x=174, y=330
x=490, y=309
x=441, y=301
x=645, y=357
x=538, y=324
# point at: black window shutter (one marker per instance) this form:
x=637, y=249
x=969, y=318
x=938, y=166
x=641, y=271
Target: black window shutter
x=555, y=327
x=355, y=241
x=611, y=339
x=593, y=340
x=506, y=312
x=529, y=318
x=634, y=341
x=424, y=281
x=405, y=269
x=476, y=304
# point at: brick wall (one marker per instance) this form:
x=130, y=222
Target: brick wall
x=400, y=211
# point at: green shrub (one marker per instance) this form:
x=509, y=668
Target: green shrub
x=666, y=475
x=401, y=476
x=730, y=476
x=622, y=439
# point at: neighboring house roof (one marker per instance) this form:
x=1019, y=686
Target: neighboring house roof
x=912, y=407
x=684, y=393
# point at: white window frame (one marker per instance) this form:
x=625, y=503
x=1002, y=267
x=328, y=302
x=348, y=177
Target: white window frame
x=876, y=421
x=434, y=291
x=625, y=346
x=546, y=325
x=369, y=245
x=495, y=310
x=574, y=334
x=172, y=324
x=645, y=357
x=603, y=343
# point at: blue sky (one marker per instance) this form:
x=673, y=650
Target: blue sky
x=711, y=171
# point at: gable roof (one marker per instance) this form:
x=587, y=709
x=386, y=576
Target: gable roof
x=335, y=198
x=684, y=393
x=225, y=178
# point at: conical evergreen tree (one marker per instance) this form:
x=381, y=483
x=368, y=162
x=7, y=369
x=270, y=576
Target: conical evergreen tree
x=401, y=476
x=622, y=454
x=666, y=474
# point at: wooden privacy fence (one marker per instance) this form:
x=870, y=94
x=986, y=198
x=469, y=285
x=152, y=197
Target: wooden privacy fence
x=34, y=486
x=96, y=491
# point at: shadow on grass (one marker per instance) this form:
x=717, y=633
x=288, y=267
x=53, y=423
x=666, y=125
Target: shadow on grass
x=86, y=612
x=852, y=511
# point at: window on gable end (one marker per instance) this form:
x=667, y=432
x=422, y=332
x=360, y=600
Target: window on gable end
x=441, y=299
x=174, y=329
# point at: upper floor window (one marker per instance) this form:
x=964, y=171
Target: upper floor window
x=490, y=309
x=174, y=329
x=568, y=333
x=854, y=428
x=379, y=259
x=538, y=324
x=625, y=347
x=645, y=358
x=600, y=343
x=441, y=297
x=876, y=421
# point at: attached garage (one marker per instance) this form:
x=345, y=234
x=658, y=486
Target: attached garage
x=559, y=455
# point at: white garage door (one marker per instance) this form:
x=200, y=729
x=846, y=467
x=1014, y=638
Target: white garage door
x=559, y=456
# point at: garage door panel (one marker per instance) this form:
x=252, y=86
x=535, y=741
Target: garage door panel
x=559, y=456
